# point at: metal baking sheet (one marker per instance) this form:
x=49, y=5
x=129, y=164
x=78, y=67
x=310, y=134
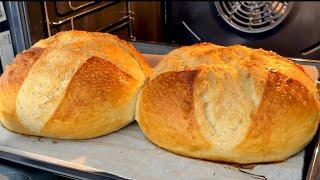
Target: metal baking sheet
x=128, y=154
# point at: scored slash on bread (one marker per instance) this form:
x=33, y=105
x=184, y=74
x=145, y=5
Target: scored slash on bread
x=232, y=104
x=73, y=85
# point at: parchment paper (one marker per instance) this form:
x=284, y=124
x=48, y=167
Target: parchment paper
x=127, y=153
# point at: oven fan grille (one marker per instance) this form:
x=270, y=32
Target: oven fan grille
x=253, y=16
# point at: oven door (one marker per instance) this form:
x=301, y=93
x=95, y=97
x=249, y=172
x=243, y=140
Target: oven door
x=31, y=21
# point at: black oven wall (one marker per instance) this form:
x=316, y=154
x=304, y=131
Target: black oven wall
x=298, y=35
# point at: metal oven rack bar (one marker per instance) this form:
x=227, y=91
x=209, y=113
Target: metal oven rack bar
x=110, y=27
x=79, y=7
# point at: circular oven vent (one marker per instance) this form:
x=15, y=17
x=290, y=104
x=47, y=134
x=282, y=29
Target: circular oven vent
x=253, y=16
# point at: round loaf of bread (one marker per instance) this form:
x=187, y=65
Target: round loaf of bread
x=232, y=104
x=73, y=85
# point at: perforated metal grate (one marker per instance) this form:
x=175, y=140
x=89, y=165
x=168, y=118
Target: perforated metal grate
x=253, y=16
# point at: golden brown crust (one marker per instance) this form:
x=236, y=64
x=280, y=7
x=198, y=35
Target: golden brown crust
x=285, y=121
x=73, y=85
x=69, y=37
x=10, y=82
x=88, y=107
x=248, y=105
x=170, y=95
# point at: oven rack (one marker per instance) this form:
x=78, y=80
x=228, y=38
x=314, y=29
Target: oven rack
x=86, y=9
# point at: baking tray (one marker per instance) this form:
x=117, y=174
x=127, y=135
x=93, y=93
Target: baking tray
x=127, y=154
